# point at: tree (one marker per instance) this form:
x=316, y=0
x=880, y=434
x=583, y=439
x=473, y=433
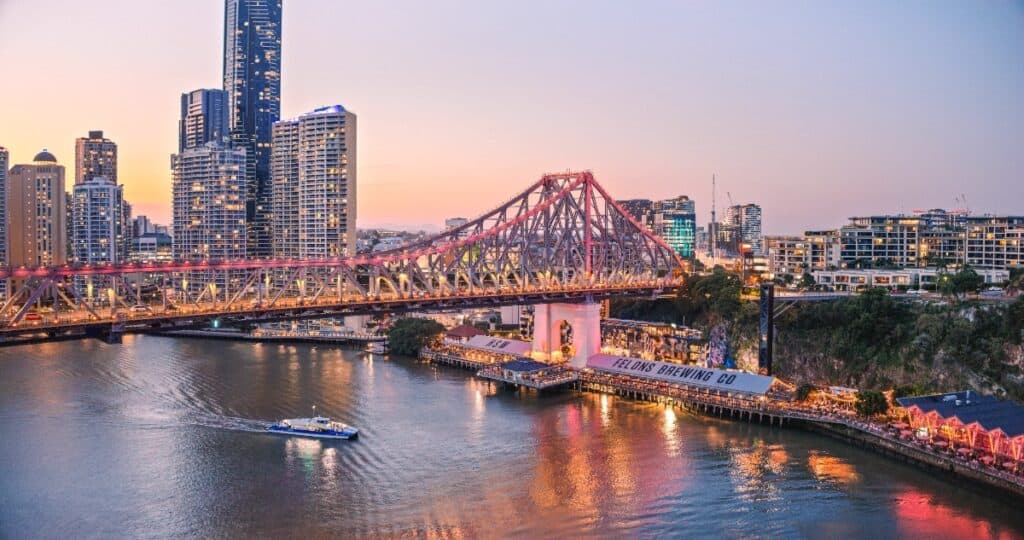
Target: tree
x=807, y=281
x=967, y=280
x=871, y=402
x=407, y=336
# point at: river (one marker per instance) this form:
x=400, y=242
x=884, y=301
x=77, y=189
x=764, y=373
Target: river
x=163, y=437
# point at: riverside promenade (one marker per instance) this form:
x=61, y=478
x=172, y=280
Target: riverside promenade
x=839, y=424
x=772, y=409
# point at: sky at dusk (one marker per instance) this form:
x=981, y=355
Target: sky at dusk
x=815, y=110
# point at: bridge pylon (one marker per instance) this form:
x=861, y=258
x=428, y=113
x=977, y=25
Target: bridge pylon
x=584, y=319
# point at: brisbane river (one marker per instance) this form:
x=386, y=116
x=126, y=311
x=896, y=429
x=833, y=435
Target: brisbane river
x=163, y=437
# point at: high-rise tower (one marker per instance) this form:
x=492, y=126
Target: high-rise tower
x=4, y=158
x=36, y=202
x=204, y=118
x=314, y=175
x=97, y=222
x=95, y=156
x=252, y=80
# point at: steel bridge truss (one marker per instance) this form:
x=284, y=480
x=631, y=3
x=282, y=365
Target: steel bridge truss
x=563, y=237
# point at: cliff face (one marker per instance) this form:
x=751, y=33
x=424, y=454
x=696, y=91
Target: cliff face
x=809, y=359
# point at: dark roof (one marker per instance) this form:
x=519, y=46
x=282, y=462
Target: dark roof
x=45, y=156
x=989, y=411
x=525, y=365
x=465, y=331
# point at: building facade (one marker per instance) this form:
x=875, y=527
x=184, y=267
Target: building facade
x=204, y=118
x=796, y=255
x=152, y=247
x=208, y=185
x=675, y=221
x=994, y=241
x=252, y=81
x=743, y=224
x=900, y=278
x=98, y=222
x=36, y=213
x=314, y=184
x=639, y=209
x=95, y=156
x=5, y=158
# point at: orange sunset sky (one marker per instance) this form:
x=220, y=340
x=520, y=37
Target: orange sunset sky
x=815, y=110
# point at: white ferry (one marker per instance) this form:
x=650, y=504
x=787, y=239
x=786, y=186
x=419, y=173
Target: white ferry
x=317, y=427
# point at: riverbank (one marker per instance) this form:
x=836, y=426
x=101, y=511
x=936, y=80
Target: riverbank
x=839, y=426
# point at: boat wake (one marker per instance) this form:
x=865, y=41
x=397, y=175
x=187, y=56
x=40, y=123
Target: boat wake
x=230, y=423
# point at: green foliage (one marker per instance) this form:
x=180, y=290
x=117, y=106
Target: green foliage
x=1015, y=321
x=908, y=390
x=963, y=282
x=807, y=281
x=871, y=402
x=407, y=336
x=803, y=391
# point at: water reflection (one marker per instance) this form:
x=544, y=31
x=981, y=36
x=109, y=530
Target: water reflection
x=828, y=468
x=918, y=515
x=118, y=431
x=670, y=429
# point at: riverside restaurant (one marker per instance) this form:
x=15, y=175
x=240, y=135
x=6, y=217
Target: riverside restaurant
x=968, y=424
x=719, y=382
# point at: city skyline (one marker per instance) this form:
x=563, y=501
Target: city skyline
x=894, y=91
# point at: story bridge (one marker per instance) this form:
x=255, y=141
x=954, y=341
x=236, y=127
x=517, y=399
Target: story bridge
x=562, y=241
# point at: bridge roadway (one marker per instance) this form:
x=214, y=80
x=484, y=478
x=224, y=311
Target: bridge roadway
x=157, y=318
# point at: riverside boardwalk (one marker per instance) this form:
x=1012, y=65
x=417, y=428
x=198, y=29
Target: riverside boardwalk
x=772, y=406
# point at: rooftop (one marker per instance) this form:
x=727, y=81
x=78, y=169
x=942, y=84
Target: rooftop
x=525, y=365
x=465, y=331
x=44, y=157
x=969, y=407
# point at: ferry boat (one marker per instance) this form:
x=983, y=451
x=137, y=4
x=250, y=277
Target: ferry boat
x=377, y=347
x=317, y=427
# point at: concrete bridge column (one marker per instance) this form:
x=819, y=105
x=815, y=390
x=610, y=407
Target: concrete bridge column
x=585, y=320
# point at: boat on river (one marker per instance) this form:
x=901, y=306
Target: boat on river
x=316, y=427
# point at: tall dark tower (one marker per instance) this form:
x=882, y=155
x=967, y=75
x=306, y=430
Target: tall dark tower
x=252, y=80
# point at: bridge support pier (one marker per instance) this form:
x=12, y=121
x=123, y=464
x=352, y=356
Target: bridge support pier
x=585, y=320
x=112, y=335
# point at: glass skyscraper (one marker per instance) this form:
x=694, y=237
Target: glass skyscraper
x=204, y=118
x=675, y=220
x=252, y=80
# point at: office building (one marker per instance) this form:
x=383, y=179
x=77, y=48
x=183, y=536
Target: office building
x=204, y=118
x=675, y=221
x=742, y=226
x=36, y=213
x=252, y=80
x=152, y=247
x=639, y=209
x=95, y=156
x=98, y=223
x=208, y=185
x=314, y=184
